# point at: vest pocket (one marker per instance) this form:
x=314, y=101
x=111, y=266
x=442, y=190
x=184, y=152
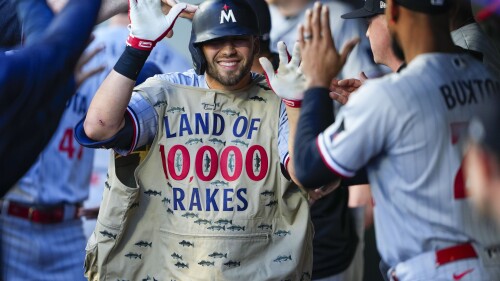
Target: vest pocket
x=99, y=247
x=214, y=256
x=117, y=201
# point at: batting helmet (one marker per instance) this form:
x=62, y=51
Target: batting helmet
x=219, y=18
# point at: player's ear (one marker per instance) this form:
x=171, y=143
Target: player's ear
x=392, y=11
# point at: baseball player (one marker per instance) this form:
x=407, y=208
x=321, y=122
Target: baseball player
x=43, y=210
x=41, y=213
x=200, y=195
x=378, y=33
x=408, y=138
x=36, y=223
x=332, y=258
x=380, y=43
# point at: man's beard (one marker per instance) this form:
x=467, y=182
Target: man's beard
x=396, y=48
x=231, y=78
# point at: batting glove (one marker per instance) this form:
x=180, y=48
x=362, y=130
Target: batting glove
x=288, y=82
x=148, y=24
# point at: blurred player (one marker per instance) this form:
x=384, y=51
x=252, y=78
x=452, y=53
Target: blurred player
x=378, y=33
x=43, y=209
x=48, y=67
x=36, y=82
x=336, y=253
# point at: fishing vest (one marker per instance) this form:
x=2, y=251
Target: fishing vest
x=207, y=200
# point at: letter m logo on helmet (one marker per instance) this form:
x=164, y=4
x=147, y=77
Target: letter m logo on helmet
x=226, y=15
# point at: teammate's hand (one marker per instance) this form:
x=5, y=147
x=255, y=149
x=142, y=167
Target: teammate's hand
x=318, y=193
x=166, y=5
x=148, y=24
x=321, y=61
x=82, y=73
x=340, y=90
x=288, y=82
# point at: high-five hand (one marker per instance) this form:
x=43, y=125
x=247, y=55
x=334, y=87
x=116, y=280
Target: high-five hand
x=321, y=61
x=148, y=24
x=288, y=82
x=188, y=13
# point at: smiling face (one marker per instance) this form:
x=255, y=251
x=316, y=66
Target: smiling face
x=229, y=60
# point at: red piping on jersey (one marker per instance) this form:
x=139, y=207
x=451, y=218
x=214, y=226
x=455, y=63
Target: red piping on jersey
x=287, y=159
x=134, y=139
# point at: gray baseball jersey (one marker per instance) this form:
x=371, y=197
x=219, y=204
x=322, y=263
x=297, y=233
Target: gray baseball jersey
x=406, y=128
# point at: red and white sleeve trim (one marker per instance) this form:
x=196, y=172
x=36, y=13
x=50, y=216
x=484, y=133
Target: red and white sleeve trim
x=135, y=125
x=287, y=159
x=329, y=161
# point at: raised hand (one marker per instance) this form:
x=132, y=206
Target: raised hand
x=148, y=23
x=188, y=13
x=81, y=74
x=288, y=82
x=321, y=61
